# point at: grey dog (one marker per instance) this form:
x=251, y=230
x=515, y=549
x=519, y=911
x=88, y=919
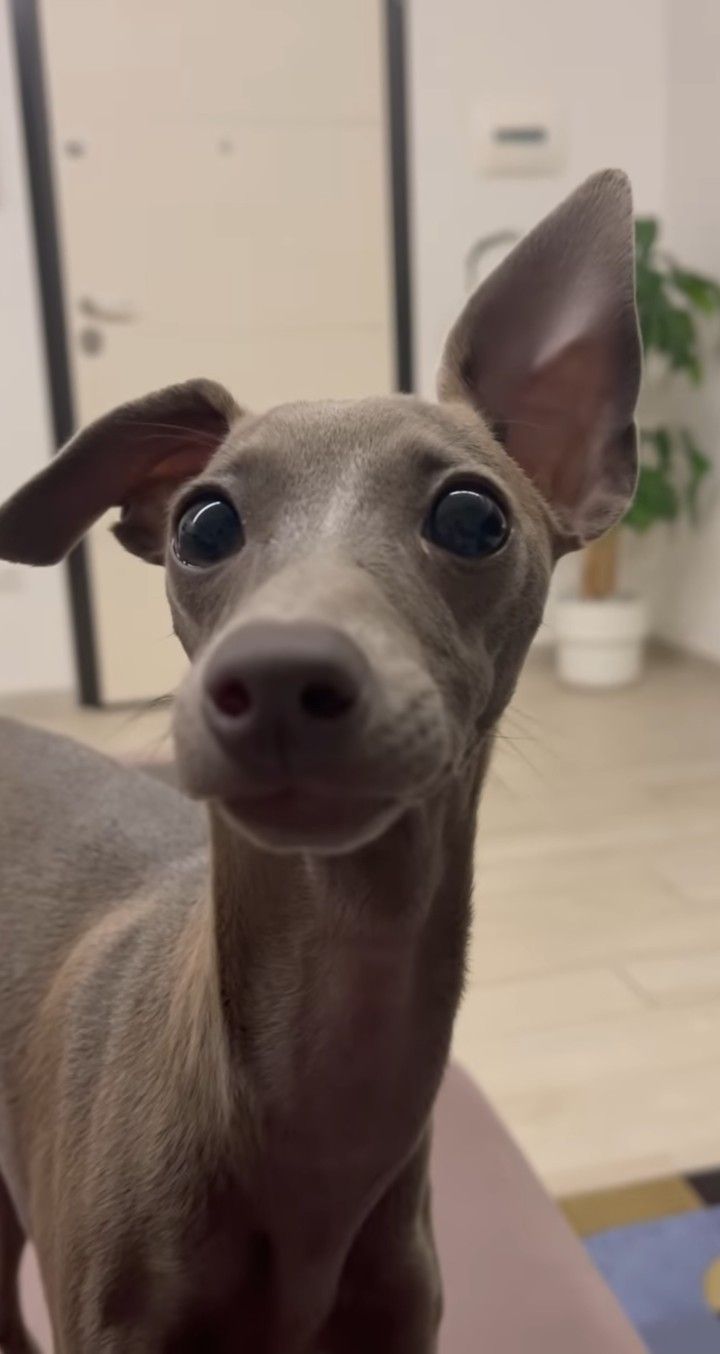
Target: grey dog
x=222, y=1028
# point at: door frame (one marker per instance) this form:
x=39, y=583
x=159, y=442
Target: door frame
x=397, y=119
x=35, y=122
x=33, y=107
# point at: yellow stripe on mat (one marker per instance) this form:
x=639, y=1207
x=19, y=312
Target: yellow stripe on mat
x=599, y=1212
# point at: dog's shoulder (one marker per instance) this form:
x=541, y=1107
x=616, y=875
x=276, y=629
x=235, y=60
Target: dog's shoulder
x=51, y=786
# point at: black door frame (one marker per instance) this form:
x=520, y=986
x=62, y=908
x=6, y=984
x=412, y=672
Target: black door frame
x=31, y=80
x=31, y=77
x=398, y=119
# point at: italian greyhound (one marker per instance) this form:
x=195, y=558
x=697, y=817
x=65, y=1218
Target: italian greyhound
x=222, y=1029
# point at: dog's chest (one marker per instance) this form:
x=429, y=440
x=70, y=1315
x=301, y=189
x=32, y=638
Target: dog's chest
x=344, y=1094
x=235, y=1285
x=265, y=1271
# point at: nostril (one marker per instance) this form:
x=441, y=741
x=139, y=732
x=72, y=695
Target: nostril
x=322, y=700
x=231, y=697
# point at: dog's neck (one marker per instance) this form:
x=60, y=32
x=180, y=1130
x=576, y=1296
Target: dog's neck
x=339, y=977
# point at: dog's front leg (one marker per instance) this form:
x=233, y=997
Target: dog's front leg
x=397, y=1314
x=110, y=1341
x=14, y=1338
x=106, y=1303
x=390, y=1296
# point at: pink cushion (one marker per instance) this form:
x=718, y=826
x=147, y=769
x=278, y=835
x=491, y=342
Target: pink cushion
x=34, y=1302
x=516, y=1279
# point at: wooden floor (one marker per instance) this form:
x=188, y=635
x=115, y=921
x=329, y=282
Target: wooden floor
x=592, y=1015
x=593, y=1012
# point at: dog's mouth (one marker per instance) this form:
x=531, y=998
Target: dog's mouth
x=296, y=816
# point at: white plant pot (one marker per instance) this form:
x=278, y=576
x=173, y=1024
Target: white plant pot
x=600, y=644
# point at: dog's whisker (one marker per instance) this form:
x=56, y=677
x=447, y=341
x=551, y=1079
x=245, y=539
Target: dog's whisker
x=535, y=424
x=173, y=431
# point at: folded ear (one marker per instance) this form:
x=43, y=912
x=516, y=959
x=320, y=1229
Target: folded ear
x=133, y=457
x=548, y=351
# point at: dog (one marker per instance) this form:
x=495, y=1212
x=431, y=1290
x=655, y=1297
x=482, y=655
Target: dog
x=225, y=1015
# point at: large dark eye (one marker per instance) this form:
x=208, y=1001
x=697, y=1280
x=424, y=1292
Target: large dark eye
x=208, y=531
x=468, y=522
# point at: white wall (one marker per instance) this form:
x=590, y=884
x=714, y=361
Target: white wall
x=602, y=68
x=602, y=65
x=690, y=614
x=637, y=85
x=35, y=650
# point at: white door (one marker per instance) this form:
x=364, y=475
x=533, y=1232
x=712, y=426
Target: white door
x=222, y=183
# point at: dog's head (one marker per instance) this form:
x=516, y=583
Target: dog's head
x=357, y=583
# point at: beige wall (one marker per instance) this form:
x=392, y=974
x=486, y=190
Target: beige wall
x=601, y=66
x=690, y=611
x=639, y=85
x=34, y=632
x=235, y=208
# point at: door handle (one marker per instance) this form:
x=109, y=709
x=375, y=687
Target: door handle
x=102, y=313
x=478, y=251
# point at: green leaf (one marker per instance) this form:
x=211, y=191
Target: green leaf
x=699, y=466
x=670, y=298
x=694, y=369
x=665, y=326
x=651, y=304
x=672, y=471
x=660, y=440
x=676, y=338
x=646, y=232
x=656, y=500
x=702, y=292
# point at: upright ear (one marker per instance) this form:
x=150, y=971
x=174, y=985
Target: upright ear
x=133, y=457
x=548, y=351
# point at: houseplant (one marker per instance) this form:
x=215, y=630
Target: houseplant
x=601, y=632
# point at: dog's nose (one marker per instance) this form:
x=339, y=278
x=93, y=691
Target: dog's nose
x=284, y=682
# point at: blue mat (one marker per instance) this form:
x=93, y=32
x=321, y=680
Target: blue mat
x=657, y=1271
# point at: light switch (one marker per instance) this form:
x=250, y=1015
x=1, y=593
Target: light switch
x=519, y=138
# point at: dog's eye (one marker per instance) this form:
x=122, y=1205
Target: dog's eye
x=468, y=522
x=208, y=531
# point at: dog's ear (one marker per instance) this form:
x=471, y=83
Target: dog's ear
x=548, y=351
x=133, y=458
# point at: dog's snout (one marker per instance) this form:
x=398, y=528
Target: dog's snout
x=285, y=677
